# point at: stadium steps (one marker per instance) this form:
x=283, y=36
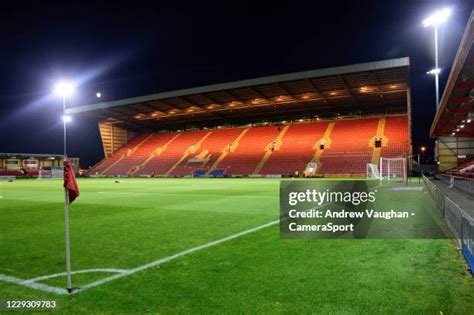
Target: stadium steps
x=226, y=151
x=208, y=152
x=95, y=167
x=118, y=165
x=127, y=152
x=131, y=151
x=153, y=154
x=296, y=150
x=105, y=164
x=464, y=169
x=190, y=150
x=396, y=133
x=132, y=163
x=243, y=160
x=380, y=135
x=350, y=151
x=349, y=144
x=326, y=140
x=269, y=151
x=104, y=172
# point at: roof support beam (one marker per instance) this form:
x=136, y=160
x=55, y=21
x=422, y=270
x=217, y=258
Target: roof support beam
x=209, y=98
x=377, y=80
x=260, y=95
x=193, y=104
x=232, y=95
x=348, y=90
x=286, y=91
x=203, y=107
x=315, y=88
x=168, y=104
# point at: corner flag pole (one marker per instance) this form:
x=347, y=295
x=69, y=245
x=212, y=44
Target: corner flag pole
x=66, y=207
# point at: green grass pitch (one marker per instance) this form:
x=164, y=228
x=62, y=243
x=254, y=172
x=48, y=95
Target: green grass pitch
x=127, y=225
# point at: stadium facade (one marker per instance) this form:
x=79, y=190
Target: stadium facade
x=453, y=125
x=326, y=122
x=452, y=187
x=32, y=164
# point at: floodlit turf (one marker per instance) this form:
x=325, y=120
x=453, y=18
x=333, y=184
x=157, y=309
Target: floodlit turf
x=127, y=225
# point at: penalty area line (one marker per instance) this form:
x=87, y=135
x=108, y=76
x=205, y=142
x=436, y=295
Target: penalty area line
x=172, y=257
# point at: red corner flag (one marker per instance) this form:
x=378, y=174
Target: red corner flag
x=70, y=182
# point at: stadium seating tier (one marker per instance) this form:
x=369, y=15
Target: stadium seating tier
x=265, y=150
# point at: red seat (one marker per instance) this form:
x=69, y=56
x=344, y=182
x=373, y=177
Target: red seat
x=250, y=150
x=296, y=149
x=348, y=152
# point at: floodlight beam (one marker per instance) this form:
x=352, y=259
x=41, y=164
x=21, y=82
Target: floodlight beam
x=437, y=18
x=64, y=88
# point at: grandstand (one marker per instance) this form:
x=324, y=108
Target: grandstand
x=453, y=127
x=31, y=165
x=338, y=119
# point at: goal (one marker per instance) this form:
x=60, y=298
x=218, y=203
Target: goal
x=393, y=170
x=372, y=171
x=53, y=173
x=44, y=174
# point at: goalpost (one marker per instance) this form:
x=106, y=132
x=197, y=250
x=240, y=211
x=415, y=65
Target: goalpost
x=372, y=171
x=44, y=174
x=54, y=173
x=393, y=170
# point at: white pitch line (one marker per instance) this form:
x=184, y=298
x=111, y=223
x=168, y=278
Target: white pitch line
x=184, y=194
x=34, y=285
x=74, y=273
x=31, y=283
x=172, y=257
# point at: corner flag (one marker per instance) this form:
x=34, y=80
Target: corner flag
x=70, y=182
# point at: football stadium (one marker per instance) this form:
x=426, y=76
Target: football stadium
x=186, y=211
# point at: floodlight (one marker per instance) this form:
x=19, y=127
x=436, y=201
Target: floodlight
x=64, y=88
x=434, y=71
x=437, y=18
x=67, y=119
x=98, y=94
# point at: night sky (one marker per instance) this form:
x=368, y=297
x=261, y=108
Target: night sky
x=126, y=50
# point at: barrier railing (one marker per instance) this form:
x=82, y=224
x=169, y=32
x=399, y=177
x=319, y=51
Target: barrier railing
x=458, y=220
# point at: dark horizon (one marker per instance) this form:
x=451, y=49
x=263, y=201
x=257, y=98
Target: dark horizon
x=125, y=51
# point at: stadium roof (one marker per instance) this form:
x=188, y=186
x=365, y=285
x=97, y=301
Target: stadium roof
x=375, y=87
x=457, y=103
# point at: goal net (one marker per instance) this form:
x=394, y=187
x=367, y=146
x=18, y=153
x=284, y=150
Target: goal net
x=372, y=171
x=53, y=173
x=393, y=170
